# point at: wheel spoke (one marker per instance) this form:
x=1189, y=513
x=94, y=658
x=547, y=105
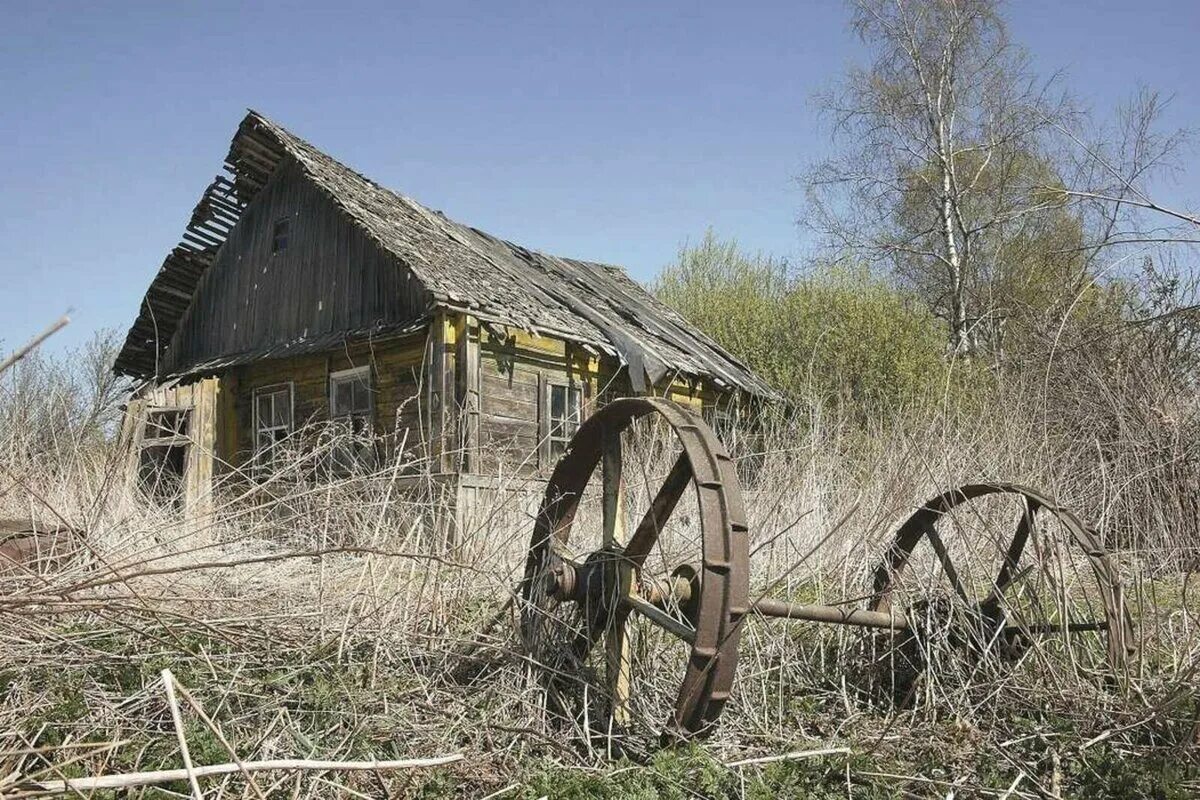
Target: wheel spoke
x=661, y=508
x=1008, y=574
x=660, y=618
x=939, y=547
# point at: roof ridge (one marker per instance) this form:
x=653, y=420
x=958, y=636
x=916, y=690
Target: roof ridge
x=460, y=267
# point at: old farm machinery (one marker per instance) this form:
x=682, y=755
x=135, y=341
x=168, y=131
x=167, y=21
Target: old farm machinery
x=605, y=610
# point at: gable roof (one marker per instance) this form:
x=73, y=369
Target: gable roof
x=463, y=269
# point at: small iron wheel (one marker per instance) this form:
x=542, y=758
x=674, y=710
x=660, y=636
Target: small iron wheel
x=673, y=588
x=1046, y=591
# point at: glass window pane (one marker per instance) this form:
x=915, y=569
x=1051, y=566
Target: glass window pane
x=558, y=402
x=283, y=407
x=264, y=410
x=342, y=397
x=574, y=406
x=362, y=394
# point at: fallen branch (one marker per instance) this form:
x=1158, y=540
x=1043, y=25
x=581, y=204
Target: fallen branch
x=794, y=755
x=169, y=687
x=132, y=779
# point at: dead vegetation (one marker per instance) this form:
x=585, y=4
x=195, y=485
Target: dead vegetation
x=325, y=622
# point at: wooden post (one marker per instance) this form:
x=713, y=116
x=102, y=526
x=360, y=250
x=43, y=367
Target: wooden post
x=442, y=437
x=466, y=389
x=616, y=643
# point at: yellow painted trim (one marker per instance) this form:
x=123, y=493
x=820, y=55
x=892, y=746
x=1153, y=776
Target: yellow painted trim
x=523, y=340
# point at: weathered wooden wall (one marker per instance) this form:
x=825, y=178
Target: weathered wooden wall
x=208, y=401
x=396, y=372
x=515, y=371
x=330, y=278
x=468, y=402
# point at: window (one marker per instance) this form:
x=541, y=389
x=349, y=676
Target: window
x=350, y=408
x=279, y=234
x=563, y=417
x=272, y=422
x=350, y=397
x=163, y=425
x=162, y=462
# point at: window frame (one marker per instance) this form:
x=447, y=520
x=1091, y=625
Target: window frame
x=156, y=444
x=157, y=435
x=358, y=452
x=259, y=429
x=561, y=435
x=347, y=376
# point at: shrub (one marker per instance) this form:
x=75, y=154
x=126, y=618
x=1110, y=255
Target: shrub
x=838, y=336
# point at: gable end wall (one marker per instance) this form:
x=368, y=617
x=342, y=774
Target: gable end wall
x=330, y=279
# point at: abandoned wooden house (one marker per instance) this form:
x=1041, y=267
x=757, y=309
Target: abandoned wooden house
x=303, y=294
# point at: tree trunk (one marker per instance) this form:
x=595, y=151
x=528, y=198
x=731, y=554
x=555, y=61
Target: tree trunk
x=959, y=334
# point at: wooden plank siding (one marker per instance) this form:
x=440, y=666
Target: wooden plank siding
x=468, y=401
x=205, y=401
x=330, y=278
x=396, y=374
x=516, y=370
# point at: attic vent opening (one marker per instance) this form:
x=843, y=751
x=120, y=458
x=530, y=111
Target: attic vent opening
x=279, y=234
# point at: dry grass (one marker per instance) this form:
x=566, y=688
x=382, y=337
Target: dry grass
x=327, y=619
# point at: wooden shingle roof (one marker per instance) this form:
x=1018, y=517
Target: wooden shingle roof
x=462, y=268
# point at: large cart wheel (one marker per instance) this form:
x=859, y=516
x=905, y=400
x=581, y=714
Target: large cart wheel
x=673, y=589
x=1044, y=590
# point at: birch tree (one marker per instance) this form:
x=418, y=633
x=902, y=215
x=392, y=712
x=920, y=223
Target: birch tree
x=940, y=162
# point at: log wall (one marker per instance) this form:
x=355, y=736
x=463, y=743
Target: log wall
x=330, y=278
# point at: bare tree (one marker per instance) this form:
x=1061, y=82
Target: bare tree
x=102, y=389
x=1109, y=172
x=944, y=161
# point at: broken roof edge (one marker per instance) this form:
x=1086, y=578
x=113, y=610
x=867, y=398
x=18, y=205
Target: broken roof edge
x=256, y=152
x=631, y=353
x=306, y=345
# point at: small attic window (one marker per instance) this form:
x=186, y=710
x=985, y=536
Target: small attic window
x=279, y=234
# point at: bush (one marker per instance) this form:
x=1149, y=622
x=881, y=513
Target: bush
x=838, y=336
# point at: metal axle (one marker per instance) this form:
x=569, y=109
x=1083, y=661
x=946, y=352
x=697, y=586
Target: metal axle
x=678, y=590
x=770, y=607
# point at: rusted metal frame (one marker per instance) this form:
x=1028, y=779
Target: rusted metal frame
x=1119, y=623
x=676, y=591
x=661, y=618
x=1009, y=569
x=939, y=547
x=718, y=602
x=660, y=510
x=724, y=596
x=723, y=600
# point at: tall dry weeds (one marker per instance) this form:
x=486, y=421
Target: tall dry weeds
x=320, y=617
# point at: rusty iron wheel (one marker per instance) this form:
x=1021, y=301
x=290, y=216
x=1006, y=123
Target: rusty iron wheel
x=1040, y=582
x=575, y=594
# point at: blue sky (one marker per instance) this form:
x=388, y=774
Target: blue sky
x=612, y=131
